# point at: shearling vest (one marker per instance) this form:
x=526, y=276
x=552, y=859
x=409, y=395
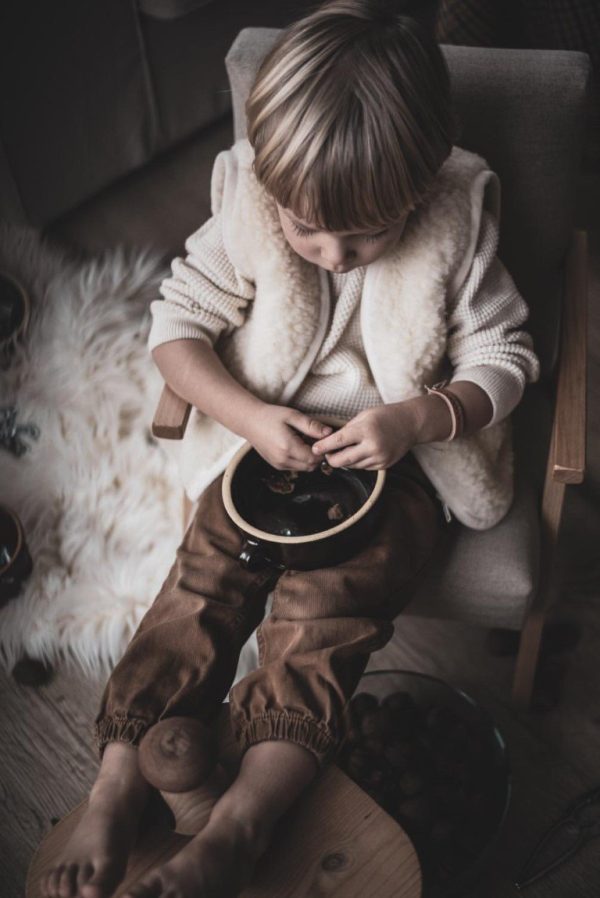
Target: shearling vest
x=403, y=322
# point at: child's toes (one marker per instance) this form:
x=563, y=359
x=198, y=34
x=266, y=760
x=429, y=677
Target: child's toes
x=86, y=871
x=101, y=883
x=52, y=881
x=67, y=884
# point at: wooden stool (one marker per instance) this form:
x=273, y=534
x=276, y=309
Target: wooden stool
x=335, y=841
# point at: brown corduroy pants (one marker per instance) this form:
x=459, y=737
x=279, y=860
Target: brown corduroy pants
x=313, y=647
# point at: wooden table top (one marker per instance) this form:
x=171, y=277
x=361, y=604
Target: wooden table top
x=336, y=842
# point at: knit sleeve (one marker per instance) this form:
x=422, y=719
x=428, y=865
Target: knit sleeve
x=205, y=296
x=485, y=342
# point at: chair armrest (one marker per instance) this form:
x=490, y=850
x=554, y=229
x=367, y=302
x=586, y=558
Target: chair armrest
x=171, y=416
x=567, y=452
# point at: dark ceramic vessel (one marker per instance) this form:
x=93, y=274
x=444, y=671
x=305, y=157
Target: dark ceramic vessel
x=313, y=550
x=15, y=561
x=14, y=307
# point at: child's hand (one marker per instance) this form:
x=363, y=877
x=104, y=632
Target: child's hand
x=275, y=432
x=376, y=438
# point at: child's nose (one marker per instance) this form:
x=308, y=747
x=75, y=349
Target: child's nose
x=336, y=252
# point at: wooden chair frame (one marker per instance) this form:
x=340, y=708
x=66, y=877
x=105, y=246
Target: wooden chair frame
x=566, y=456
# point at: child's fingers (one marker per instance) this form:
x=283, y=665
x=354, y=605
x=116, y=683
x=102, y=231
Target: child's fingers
x=302, y=455
x=292, y=464
x=347, y=458
x=366, y=464
x=336, y=441
x=311, y=427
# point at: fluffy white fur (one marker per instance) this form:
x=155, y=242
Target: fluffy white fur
x=99, y=499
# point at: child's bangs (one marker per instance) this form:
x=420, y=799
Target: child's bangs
x=319, y=208
x=349, y=185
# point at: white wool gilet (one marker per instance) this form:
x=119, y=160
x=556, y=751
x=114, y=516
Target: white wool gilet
x=402, y=316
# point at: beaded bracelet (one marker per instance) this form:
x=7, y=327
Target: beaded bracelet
x=455, y=407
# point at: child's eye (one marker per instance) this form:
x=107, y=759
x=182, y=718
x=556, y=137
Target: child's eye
x=371, y=238
x=306, y=232
x=302, y=232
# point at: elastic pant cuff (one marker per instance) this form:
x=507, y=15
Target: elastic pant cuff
x=119, y=728
x=297, y=728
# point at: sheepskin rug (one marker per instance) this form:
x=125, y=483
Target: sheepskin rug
x=99, y=498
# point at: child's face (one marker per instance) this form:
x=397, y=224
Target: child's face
x=337, y=251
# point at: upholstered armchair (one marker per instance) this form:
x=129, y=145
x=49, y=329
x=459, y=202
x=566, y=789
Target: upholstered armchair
x=524, y=111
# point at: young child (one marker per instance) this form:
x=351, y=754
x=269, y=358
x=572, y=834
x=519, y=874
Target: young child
x=349, y=265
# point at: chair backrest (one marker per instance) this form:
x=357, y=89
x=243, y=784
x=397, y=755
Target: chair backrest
x=523, y=111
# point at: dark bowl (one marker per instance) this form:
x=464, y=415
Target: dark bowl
x=294, y=530
x=439, y=766
x=14, y=308
x=15, y=561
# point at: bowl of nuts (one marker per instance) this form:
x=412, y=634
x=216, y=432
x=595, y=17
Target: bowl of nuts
x=435, y=761
x=299, y=519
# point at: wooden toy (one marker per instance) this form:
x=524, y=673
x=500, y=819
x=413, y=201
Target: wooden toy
x=335, y=842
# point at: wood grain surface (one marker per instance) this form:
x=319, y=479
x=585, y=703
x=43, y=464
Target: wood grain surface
x=568, y=449
x=336, y=842
x=171, y=417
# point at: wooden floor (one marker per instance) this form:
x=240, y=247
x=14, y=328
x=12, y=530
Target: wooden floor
x=47, y=762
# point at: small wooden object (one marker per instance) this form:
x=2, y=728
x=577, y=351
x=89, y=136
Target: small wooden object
x=177, y=756
x=336, y=842
x=172, y=415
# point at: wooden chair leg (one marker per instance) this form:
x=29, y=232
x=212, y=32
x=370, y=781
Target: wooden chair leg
x=566, y=458
x=531, y=634
x=527, y=659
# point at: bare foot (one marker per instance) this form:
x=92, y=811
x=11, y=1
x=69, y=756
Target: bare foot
x=95, y=858
x=217, y=863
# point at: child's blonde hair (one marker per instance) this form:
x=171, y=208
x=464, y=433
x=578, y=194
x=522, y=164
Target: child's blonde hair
x=350, y=115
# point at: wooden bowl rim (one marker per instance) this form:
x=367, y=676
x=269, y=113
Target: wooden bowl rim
x=264, y=535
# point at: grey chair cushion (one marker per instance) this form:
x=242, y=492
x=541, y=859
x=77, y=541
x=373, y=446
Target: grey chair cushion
x=485, y=577
x=490, y=577
x=523, y=110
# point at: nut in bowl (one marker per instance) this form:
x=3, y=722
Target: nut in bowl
x=300, y=519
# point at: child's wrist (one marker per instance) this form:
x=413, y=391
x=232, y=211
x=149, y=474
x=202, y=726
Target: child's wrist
x=243, y=418
x=432, y=419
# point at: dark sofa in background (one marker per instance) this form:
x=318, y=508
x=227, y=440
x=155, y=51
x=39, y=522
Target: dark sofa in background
x=111, y=113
